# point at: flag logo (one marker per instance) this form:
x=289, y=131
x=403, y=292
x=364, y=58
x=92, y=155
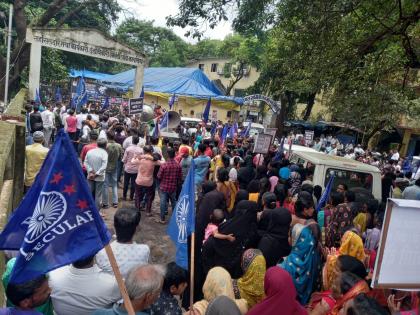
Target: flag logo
x=181, y=211
x=49, y=210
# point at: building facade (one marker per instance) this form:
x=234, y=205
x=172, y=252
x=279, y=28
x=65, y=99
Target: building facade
x=222, y=72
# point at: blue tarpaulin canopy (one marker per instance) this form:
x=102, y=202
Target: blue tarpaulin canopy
x=181, y=81
x=88, y=74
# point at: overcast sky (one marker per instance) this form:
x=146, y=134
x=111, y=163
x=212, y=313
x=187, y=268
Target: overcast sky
x=157, y=10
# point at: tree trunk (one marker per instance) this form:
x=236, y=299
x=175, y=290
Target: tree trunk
x=309, y=105
x=286, y=103
x=237, y=78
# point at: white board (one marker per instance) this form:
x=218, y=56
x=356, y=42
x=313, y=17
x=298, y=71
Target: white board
x=262, y=143
x=398, y=258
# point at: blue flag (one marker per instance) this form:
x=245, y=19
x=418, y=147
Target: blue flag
x=81, y=96
x=213, y=129
x=142, y=92
x=224, y=133
x=58, y=97
x=232, y=132
x=37, y=97
x=164, y=122
x=171, y=101
x=325, y=195
x=182, y=222
x=106, y=103
x=245, y=132
x=57, y=222
x=207, y=111
x=280, y=151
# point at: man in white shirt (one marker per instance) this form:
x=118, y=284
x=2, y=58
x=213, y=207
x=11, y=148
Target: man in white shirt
x=81, y=288
x=359, y=150
x=95, y=163
x=395, y=156
x=127, y=252
x=48, y=123
x=129, y=140
x=80, y=118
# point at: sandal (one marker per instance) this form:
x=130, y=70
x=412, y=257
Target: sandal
x=160, y=221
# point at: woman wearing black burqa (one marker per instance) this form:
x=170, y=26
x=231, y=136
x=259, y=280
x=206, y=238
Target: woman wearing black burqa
x=209, y=200
x=274, y=229
x=243, y=226
x=246, y=173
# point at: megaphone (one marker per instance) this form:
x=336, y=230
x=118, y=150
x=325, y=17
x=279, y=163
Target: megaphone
x=148, y=114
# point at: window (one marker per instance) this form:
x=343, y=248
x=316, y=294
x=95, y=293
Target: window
x=229, y=114
x=201, y=66
x=192, y=113
x=239, y=93
x=213, y=67
x=180, y=112
x=351, y=178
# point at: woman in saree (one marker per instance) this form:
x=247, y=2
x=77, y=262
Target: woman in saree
x=323, y=302
x=348, y=287
x=351, y=244
x=251, y=285
x=304, y=261
x=218, y=282
x=341, y=219
x=280, y=295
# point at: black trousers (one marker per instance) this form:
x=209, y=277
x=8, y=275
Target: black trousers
x=129, y=181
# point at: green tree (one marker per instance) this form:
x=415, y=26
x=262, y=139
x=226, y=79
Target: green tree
x=98, y=14
x=364, y=55
x=162, y=46
x=243, y=52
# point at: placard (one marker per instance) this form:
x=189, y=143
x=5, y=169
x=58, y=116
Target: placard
x=262, y=143
x=135, y=106
x=309, y=136
x=272, y=132
x=398, y=258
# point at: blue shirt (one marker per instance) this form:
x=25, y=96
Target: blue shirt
x=202, y=163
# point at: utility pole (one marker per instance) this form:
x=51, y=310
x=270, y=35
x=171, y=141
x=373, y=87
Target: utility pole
x=9, y=44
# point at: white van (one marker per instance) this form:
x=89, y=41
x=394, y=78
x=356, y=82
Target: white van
x=192, y=124
x=350, y=172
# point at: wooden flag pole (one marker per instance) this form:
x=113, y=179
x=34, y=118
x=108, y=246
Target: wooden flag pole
x=127, y=302
x=192, y=272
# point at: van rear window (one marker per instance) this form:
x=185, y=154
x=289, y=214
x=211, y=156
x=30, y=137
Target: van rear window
x=351, y=178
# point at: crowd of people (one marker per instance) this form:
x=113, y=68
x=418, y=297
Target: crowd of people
x=264, y=244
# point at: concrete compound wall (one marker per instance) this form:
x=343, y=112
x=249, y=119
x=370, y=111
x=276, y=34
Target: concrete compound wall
x=12, y=165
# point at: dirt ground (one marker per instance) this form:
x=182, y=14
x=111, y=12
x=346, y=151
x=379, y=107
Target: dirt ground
x=149, y=232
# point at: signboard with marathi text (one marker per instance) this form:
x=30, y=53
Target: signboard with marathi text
x=135, y=106
x=262, y=143
x=272, y=132
x=398, y=257
x=309, y=136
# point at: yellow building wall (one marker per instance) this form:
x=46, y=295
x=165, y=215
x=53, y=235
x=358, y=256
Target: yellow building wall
x=319, y=110
x=246, y=82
